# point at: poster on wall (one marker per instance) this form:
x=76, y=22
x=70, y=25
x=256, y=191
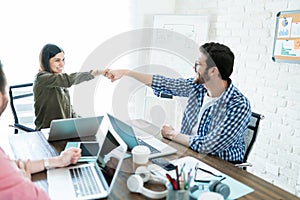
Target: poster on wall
x=286, y=47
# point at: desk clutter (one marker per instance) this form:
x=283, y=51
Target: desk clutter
x=198, y=179
x=178, y=187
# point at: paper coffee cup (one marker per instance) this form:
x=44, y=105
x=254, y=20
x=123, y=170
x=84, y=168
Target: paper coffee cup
x=140, y=154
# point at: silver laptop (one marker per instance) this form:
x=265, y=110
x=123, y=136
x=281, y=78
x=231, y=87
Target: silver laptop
x=93, y=180
x=133, y=137
x=61, y=129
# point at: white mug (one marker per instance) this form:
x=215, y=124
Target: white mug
x=140, y=154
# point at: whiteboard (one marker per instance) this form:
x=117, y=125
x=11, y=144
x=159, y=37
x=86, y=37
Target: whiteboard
x=194, y=27
x=194, y=31
x=175, y=58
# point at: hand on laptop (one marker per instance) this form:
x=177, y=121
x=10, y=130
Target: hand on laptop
x=69, y=156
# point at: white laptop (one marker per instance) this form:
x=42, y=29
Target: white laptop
x=133, y=137
x=93, y=180
x=61, y=129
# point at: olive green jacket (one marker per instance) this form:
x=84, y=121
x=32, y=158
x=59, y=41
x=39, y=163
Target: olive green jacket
x=52, y=98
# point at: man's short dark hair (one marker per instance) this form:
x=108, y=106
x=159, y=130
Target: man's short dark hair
x=2, y=80
x=220, y=56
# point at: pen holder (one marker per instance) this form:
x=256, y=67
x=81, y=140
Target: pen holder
x=176, y=194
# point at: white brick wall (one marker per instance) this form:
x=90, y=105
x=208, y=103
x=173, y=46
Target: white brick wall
x=272, y=88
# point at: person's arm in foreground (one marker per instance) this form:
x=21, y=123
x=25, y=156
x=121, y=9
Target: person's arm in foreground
x=67, y=157
x=15, y=175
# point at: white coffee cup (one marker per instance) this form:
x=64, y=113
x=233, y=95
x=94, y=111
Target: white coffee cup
x=140, y=154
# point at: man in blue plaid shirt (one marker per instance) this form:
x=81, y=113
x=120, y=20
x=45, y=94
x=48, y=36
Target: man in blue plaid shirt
x=217, y=113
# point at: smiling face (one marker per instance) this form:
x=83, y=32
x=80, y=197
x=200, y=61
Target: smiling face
x=201, y=70
x=57, y=63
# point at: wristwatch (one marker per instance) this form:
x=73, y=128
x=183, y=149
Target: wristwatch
x=46, y=163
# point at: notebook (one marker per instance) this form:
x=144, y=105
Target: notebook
x=92, y=180
x=133, y=137
x=61, y=129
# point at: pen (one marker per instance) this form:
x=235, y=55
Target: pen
x=172, y=181
x=222, y=179
x=189, y=173
x=174, y=184
x=182, y=169
x=168, y=177
x=181, y=181
x=209, y=172
x=177, y=177
x=187, y=183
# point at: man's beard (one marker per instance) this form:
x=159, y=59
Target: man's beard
x=198, y=79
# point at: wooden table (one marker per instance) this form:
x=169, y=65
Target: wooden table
x=262, y=189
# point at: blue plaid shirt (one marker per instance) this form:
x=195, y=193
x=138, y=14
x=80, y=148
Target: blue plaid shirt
x=222, y=126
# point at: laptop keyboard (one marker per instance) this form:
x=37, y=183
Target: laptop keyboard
x=84, y=182
x=31, y=145
x=152, y=149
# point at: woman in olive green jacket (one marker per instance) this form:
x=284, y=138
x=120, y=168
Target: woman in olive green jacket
x=51, y=96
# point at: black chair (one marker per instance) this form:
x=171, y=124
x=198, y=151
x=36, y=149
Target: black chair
x=250, y=137
x=21, y=102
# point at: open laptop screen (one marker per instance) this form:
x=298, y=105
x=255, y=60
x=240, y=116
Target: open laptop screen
x=125, y=131
x=109, y=157
x=61, y=129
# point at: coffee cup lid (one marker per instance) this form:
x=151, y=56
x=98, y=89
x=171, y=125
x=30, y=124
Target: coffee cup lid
x=140, y=149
